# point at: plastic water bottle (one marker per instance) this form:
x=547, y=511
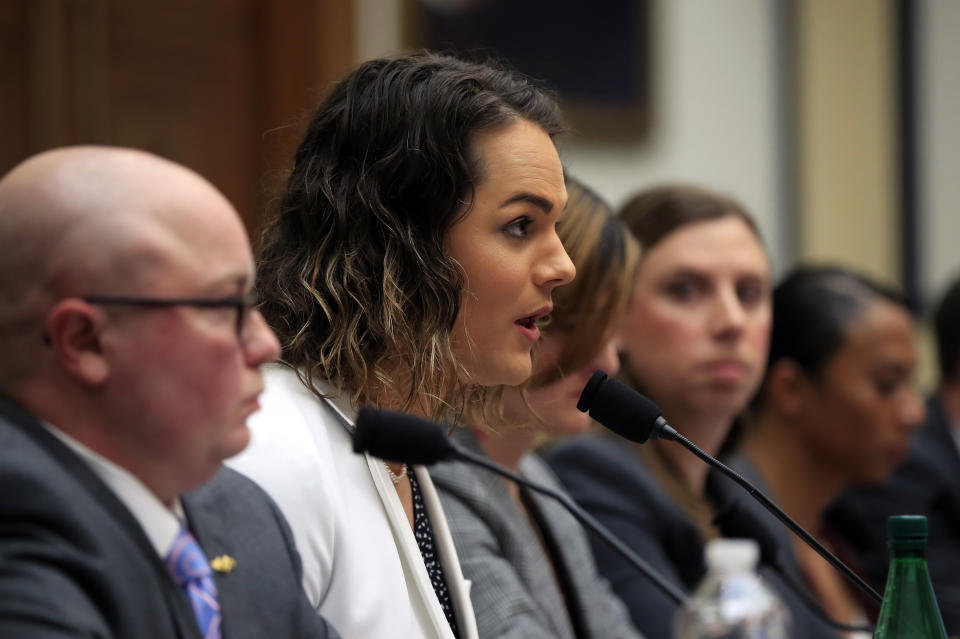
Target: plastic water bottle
x=909, y=609
x=733, y=601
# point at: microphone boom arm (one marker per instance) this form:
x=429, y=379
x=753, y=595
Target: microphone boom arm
x=667, y=432
x=582, y=516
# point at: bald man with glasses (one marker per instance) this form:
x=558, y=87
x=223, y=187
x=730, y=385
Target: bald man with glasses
x=131, y=349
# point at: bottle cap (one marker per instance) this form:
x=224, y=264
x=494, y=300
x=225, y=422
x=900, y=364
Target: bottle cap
x=732, y=555
x=907, y=532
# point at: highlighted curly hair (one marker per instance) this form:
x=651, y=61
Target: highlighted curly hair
x=353, y=271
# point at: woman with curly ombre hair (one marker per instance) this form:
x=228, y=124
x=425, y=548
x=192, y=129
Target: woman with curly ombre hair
x=529, y=561
x=413, y=254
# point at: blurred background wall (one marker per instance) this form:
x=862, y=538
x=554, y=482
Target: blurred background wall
x=834, y=122
x=938, y=130
x=215, y=84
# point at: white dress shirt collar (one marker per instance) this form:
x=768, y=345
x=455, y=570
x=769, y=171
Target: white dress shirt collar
x=161, y=524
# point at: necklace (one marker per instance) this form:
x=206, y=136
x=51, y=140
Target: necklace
x=396, y=478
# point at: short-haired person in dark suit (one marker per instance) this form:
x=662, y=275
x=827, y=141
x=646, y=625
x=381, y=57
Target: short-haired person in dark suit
x=131, y=357
x=927, y=483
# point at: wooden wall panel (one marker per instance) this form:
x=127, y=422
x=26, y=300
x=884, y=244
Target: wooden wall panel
x=14, y=99
x=183, y=81
x=219, y=85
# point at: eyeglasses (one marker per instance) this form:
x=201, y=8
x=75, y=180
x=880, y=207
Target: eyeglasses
x=243, y=305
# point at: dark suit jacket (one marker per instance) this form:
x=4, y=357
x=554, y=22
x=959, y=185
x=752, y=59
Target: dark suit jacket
x=927, y=483
x=605, y=475
x=74, y=562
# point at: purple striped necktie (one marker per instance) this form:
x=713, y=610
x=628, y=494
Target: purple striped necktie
x=192, y=572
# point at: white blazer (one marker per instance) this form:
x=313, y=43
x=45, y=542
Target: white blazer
x=362, y=568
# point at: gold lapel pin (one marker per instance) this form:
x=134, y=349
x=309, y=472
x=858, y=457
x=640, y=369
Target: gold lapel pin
x=223, y=563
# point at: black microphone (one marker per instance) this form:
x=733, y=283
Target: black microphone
x=399, y=437
x=622, y=420
x=735, y=521
x=622, y=409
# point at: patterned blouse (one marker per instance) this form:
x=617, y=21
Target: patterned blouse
x=423, y=532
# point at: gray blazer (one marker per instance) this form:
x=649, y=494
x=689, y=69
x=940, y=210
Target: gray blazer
x=515, y=591
x=74, y=562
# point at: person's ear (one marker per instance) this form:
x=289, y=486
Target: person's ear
x=620, y=335
x=616, y=343
x=787, y=387
x=74, y=333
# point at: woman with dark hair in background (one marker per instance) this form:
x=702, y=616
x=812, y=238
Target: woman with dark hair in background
x=528, y=559
x=413, y=254
x=927, y=483
x=835, y=410
x=695, y=341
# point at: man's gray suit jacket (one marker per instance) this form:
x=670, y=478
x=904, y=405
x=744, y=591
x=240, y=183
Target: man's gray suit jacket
x=74, y=562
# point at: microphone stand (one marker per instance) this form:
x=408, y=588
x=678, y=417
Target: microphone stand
x=814, y=607
x=581, y=515
x=734, y=521
x=372, y=435
x=668, y=432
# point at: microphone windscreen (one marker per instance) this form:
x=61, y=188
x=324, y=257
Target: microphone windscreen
x=590, y=390
x=399, y=437
x=735, y=521
x=619, y=407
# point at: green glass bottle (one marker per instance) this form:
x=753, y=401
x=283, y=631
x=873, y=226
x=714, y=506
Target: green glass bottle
x=909, y=609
